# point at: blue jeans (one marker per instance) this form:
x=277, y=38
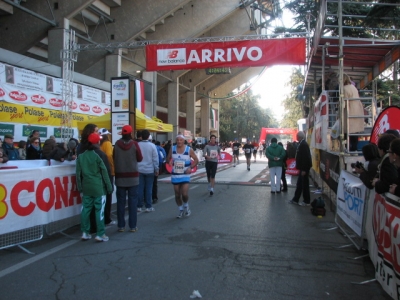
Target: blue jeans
x=145, y=189
x=132, y=202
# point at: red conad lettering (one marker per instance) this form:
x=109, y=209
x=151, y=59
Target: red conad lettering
x=61, y=192
x=74, y=192
x=14, y=198
x=40, y=201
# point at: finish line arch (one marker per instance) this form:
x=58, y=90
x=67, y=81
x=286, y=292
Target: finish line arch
x=277, y=131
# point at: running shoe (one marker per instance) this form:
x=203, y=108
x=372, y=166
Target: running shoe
x=187, y=212
x=211, y=191
x=150, y=209
x=86, y=236
x=133, y=229
x=102, y=238
x=139, y=209
x=180, y=215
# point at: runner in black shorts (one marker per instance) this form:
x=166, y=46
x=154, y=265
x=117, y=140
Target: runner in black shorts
x=211, y=154
x=235, y=151
x=248, y=150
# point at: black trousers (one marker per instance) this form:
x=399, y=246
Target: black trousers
x=302, y=187
x=283, y=178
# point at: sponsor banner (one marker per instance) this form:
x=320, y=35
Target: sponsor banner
x=387, y=119
x=46, y=91
x=329, y=169
x=351, y=196
x=46, y=100
x=225, y=158
x=291, y=167
x=321, y=122
x=384, y=243
x=118, y=120
x=21, y=131
x=50, y=195
x=23, y=114
x=251, y=53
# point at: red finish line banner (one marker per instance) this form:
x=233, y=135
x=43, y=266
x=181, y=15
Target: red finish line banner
x=253, y=53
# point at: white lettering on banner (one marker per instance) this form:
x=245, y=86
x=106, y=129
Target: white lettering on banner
x=25, y=200
x=351, y=195
x=385, y=244
x=219, y=55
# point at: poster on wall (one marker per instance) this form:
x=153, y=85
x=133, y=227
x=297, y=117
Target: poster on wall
x=120, y=94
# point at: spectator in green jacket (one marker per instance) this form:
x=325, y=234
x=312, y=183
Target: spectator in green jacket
x=93, y=181
x=276, y=155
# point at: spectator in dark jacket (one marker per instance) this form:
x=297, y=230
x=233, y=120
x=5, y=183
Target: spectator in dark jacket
x=387, y=171
x=9, y=149
x=48, y=147
x=370, y=169
x=126, y=156
x=303, y=164
x=283, y=176
x=33, y=151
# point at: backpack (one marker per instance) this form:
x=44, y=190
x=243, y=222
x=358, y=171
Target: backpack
x=318, y=207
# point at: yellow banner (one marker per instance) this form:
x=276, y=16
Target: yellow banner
x=14, y=113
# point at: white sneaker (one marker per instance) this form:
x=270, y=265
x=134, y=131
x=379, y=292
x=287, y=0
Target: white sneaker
x=86, y=236
x=187, y=212
x=102, y=238
x=139, y=209
x=150, y=209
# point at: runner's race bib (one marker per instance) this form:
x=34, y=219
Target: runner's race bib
x=235, y=148
x=179, y=166
x=213, y=153
x=247, y=150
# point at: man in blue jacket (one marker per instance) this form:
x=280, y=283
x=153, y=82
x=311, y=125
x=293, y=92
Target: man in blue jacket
x=8, y=147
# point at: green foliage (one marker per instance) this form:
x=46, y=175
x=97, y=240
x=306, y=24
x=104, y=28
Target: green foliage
x=365, y=19
x=244, y=115
x=294, y=109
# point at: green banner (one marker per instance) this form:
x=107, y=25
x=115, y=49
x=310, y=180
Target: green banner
x=6, y=129
x=27, y=130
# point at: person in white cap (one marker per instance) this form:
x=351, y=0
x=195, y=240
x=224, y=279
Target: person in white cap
x=182, y=159
x=107, y=148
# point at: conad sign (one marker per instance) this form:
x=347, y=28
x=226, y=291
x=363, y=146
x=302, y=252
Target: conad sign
x=31, y=197
x=252, y=53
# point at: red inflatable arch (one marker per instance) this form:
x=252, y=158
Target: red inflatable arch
x=276, y=131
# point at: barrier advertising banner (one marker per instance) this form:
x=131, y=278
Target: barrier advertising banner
x=329, y=169
x=245, y=53
x=351, y=195
x=291, y=167
x=384, y=244
x=387, y=119
x=37, y=196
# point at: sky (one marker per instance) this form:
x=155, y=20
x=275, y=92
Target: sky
x=271, y=85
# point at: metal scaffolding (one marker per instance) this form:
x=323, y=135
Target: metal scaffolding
x=68, y=56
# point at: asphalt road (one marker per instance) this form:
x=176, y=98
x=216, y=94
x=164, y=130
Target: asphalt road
x=241, y=243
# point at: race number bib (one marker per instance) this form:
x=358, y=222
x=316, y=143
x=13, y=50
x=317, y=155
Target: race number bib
x=213, y=153
x=247, y=150
x=235, y=148
x=179, y=166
